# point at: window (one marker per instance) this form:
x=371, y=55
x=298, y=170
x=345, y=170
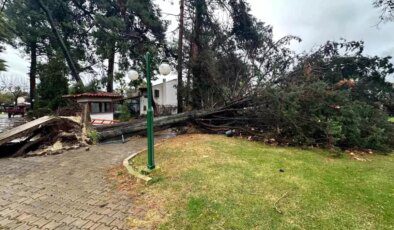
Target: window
x=107, y=107
x=144, y=107
x=101, y=107
x=95, y=107
x=157, y=93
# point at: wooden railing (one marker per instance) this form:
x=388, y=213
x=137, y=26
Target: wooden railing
x=103, y=122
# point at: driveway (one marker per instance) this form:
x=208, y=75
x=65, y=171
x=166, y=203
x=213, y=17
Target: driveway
x=67, y=191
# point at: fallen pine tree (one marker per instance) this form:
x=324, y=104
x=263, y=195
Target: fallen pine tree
x=161, y=123
x=310, y=114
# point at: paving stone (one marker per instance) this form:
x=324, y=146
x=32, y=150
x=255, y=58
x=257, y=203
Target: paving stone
x=41, y=222
x=58, y=217
x=52, y=225
x=13, y=214
x=109, y=212
x=88, y=225
x=5, y=212
x=83, y=214
x=34, y=228
x=4, y=222
x=101, y=227
x=31, y=219
x=13, y=224
x=4, y=202
x=64, y=191
x=94, y=217
x=23, y=226
x=68, y=220
x=66, y=227
x=24, y=216
x=119, y=223
x=107, y=220
x=119, y=215
x=80, y=222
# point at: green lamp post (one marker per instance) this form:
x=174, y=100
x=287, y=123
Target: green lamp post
x=164, y=69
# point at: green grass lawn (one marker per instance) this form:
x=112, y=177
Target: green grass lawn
x=214, y=182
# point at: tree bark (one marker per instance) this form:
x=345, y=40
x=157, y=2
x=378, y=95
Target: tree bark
x=110, y=71
x=70, y=61
x=33, y=72
x=187, y=91
x=195, y=55
x=159, y=124
x=180, y=57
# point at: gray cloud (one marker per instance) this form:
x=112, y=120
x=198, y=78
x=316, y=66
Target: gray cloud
x=16, y=65
x=315, y=21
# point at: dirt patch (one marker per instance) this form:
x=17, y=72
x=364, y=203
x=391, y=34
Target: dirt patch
x=148, y=209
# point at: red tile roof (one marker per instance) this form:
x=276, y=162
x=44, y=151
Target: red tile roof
x=98, y=94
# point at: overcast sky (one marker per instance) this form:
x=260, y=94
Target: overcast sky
x=314, y=21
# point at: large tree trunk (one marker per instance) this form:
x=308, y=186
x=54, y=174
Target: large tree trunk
x=195, y=56
x=110, y=71
x=200, y=118
x=187, y=91
x=159, y=124
x=180, y=57
x=67, y=55
x=33, y=72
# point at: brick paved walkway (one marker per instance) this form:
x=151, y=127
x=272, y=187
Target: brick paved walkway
x=67, y=191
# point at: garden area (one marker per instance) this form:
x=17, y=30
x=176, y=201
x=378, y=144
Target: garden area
x=275, y=119
x=215, y=182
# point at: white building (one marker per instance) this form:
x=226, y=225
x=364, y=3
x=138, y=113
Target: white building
x=164, y=96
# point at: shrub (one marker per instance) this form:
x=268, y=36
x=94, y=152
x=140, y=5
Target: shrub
x=40, y=112
x=125, y=114
x=93, y=135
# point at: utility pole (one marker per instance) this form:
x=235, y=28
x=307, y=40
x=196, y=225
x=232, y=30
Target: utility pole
x=180, y=56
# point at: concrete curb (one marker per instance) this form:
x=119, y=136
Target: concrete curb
x=127, y=163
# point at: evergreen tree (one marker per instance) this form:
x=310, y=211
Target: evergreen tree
x=53, y=84
x=28, y=26
x=123, y=30
x=38, y=39
x=228, y=59
x=4, y=36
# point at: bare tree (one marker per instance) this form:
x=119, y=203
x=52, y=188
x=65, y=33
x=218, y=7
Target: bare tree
x=387, y=7
x=17, y=86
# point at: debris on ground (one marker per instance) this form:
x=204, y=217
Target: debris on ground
x=359, y=154
x=230, y=133
x=44, y=136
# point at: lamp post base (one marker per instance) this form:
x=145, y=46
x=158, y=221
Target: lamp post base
x=151, y=167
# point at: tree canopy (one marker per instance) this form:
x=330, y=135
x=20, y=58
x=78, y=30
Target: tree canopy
x=225, y=56
x=387, y=7
x=4, y=37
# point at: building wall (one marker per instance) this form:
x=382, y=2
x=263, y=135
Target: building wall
x=170, y=90
x=103, y=116
x=143, y=105
x=167, y=99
